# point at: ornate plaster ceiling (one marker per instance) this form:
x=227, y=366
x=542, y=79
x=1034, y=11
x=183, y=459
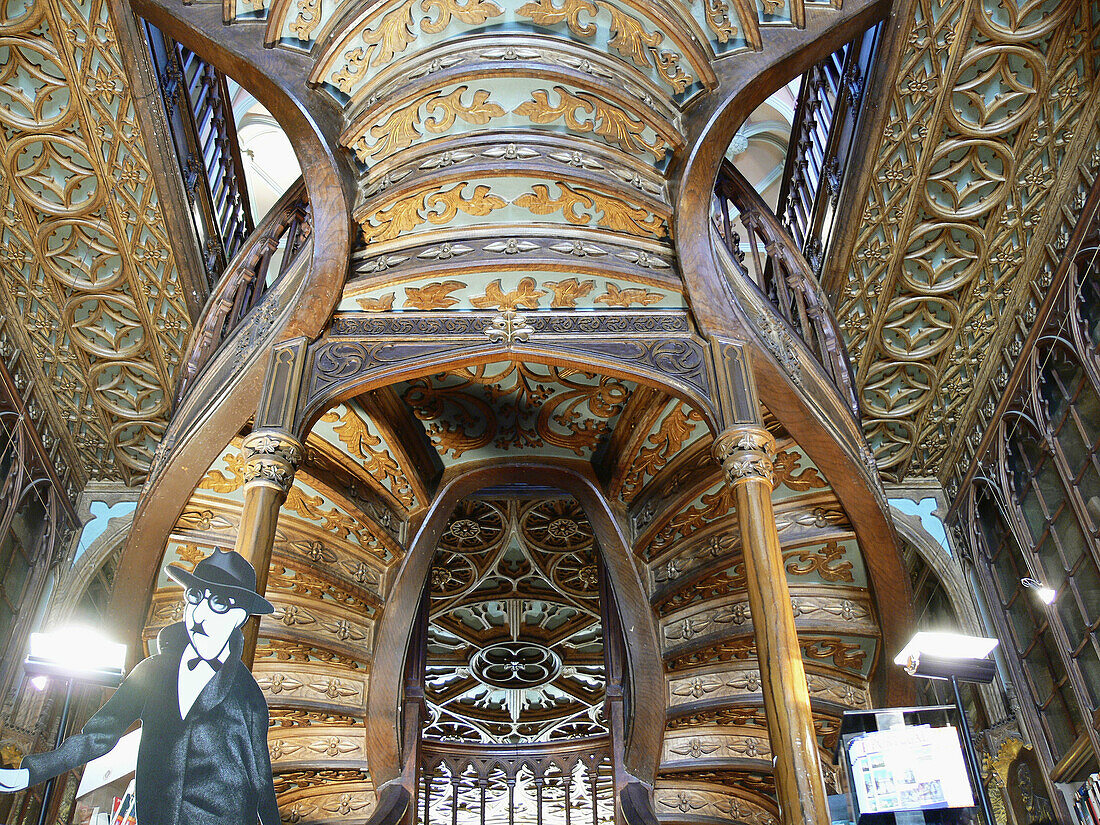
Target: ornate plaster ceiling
x=491, y=410
x=88, y=280
x=990, y=130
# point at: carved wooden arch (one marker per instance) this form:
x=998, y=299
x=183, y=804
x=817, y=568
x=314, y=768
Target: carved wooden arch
x=642, y=745
x=75, y=582
x=202, y=426
x=341, y=368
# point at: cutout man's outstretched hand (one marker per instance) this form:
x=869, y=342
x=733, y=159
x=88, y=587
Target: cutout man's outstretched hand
x=14, y=780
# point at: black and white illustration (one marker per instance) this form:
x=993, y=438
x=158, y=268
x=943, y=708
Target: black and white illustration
x=203, y=756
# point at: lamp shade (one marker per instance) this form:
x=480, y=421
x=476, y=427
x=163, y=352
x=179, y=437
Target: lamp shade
x=76, y=653
x=943, y=655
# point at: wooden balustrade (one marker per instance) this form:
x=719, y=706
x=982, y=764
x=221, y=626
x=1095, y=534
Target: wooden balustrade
x=780, y=273
x=200, y=121
x=529, y=784
x=825, y=125
x=265, y=257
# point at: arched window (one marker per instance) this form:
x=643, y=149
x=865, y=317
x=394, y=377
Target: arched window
x=1088, y=295
x=1029, y=633
x=1073, y=407
x=1061, y=547
x=933, y=610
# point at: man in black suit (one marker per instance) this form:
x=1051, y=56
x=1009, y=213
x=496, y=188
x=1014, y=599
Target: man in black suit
x=203, y=758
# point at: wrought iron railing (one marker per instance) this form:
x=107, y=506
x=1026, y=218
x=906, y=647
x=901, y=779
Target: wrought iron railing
x=271, y=250
x=200, y=119
x=771, y=262
x=824, y=129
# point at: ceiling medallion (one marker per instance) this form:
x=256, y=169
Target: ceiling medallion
x=465, y=528
x=563, y=529
x=515, y=665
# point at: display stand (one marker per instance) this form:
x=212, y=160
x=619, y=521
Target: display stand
x=906, y=766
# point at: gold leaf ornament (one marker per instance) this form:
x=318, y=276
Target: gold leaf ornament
x=402, y=128
x=472, y=13
x=378, y=463
x=567, y=292
x=389, y=38
x=220, y=483
x=382, y=304
x=426, y=205
x=450, y=107
x=630, y=39
x=611, y=213
x=432, y=296
x=524, y=295
x=479, y=204
x=306, y=20
x=718, y=18
x=545, y=13
x=616, y=297
x=397, y=132
x=609, y=122
x=539, y=202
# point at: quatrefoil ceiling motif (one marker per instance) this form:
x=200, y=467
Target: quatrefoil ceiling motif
x=515, y=665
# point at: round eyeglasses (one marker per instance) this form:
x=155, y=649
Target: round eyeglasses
x=219, y=602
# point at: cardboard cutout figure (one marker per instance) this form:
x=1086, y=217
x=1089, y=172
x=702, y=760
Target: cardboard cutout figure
x=203, y=758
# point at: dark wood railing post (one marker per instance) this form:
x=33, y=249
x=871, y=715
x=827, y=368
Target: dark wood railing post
x=783, y=277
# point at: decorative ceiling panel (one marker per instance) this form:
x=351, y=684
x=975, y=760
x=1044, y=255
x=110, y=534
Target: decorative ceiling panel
x=994, y=109
x=500, y=408
x=515, y=649
x=85, y=262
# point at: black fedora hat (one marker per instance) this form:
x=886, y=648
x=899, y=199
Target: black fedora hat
x=226, y=571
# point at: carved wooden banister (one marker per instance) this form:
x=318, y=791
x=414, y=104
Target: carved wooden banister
x=248, y=278
x=779, y=272
x=480, y=779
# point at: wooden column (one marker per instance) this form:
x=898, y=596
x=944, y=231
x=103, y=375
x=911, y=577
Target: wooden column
x=272, y=453
x=746, y=453
x=271, y=457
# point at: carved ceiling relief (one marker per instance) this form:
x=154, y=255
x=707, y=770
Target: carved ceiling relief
x=515, y=649
x=982, y=136
x=86, y=265
x=490, y=410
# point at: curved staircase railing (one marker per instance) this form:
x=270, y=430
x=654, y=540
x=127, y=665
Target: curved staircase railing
x=781, y=275
x=545, y=773
x=264, y=258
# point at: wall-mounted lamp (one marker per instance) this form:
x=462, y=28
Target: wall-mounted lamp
x=1046, y=595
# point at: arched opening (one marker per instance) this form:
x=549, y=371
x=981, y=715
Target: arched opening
x=520, y=652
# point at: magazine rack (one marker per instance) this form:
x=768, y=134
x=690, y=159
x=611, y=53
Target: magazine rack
x=905, y=766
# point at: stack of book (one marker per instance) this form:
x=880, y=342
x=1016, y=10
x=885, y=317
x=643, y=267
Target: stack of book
x=125, y=809
x=1086, y=801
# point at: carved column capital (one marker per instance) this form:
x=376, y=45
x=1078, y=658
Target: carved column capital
x=271, y=459
x=746, y=453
